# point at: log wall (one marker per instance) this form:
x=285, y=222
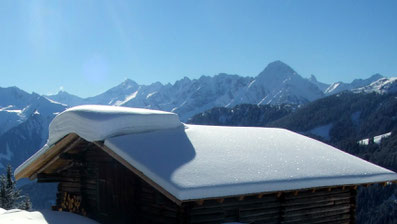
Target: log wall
x=96, y=185
x=336, y=205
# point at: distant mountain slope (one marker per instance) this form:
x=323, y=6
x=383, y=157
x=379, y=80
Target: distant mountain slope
x=347, y=116
x=66, y=98
x=14, y=107
x=382, y=86
x=17, y=106
x=332, y=119
x=15, y=98
x=21, y=141
x=243, y=115
x=357, y=83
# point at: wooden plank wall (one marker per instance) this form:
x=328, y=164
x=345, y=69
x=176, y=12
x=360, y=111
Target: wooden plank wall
x=334, y=205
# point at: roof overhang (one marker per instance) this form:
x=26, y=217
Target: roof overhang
x=49, y=157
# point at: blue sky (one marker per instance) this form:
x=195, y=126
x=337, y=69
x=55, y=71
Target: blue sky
x=86, y=47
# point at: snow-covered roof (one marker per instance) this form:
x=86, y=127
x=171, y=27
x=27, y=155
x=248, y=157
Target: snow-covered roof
x=195, y=161
x=97, y=123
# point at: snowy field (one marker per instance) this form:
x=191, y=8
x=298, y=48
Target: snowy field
x=17, y=216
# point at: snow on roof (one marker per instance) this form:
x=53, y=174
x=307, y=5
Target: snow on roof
x=97, y=123
x=194, y=161
x=210, y=161
x=17, y=216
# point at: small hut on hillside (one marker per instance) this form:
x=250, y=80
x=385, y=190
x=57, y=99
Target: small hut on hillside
x=125, y=165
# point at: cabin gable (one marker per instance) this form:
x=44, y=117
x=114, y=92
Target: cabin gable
x=94, y=184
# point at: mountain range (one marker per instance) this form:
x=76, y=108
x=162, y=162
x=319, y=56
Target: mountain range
x=277, y=84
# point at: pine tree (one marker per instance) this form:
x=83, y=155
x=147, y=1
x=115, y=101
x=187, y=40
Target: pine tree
x=27, y=205
x=10, y=195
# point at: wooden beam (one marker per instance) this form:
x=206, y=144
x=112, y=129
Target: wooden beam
x=355, y=187
x=296, y=193
x=137, y=172
x=220, y=200
x=49, y=163
x=314, y=190
x=46, y=156
x=279, y=194
x=241, y=198
x=260, y=195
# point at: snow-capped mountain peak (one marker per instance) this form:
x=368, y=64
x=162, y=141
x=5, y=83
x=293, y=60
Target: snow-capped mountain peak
x=278, y=83
x=276, y=71
x=128, y=84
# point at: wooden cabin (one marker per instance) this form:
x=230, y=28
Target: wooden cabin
x=123, y=165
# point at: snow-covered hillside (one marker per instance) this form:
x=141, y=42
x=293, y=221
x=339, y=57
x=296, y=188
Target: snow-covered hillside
x=17, y=216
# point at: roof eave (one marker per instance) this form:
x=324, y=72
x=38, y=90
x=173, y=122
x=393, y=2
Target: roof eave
x=48, y=157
